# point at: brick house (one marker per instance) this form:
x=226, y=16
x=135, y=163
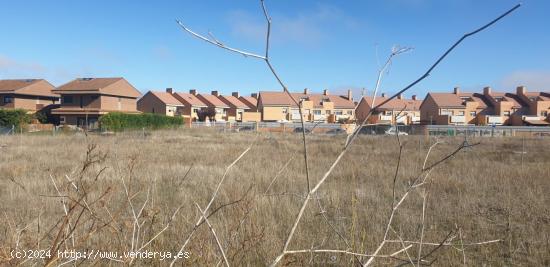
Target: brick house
x=213, y=103
x=396, y=111
x=251, y=101
x=455, y=108
x=537, y=107
x=85, y=100
x=237, y=108
x=163, y=103
x=279, y=106
x=507, y=108
x=191, y=103
x=29, y=94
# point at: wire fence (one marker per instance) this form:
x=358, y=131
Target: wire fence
x=485, y=131
x=330, y=128
x=6, y=130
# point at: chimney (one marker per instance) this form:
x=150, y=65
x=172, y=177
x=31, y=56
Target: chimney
x=325, y=92
x=521, y=90
x=169, y=90
x=215, y=93
x=306, y=91
x=414, y=97
x=486, y=90
x=349, y=95
x=456, y=90
x=383, y=94
x=193, y=91
x=235, y=94
x=255, y=95
x=400, y=96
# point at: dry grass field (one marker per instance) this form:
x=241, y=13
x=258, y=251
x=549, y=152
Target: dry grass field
x=136, y=192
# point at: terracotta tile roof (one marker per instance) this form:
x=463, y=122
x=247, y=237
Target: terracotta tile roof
x=542, y=96
x=509, y=97
x=514, y=99
x=112, y=86
x=88, y=84
x=233, y=102
x=270, y=98
x=38, y=87
x=447, y=100
x=13, y=85
x=167, y=98
x=190, y=99
x=212, y=100
x=479, y=98
x=317, y=99
x=251, y=102
x=395, y=104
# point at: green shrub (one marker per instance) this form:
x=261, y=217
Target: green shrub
x=17, y=117
x=116, y=121
x=41, y=116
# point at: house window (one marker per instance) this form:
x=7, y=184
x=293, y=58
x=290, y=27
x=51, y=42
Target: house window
x=285, y=110
x=67, y=99
x=389, y=112
x=338, y=112
x=350, y=112
x=8, y=99
x=507, y=113
x=62, y=119
x=461, y=113
x=445, y=112
x=473, y=113
x=544, y=113
x=316, y=112
x=328, y=112
x=195, y=110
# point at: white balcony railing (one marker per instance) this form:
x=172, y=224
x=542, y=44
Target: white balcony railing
x=494, y=119
x=385, y=117
x=319, y=117
x=458, y=119
x=401, y=119
x=295, y=116
x=531, y=118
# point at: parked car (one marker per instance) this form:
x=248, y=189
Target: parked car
x=299, y=130
x=366, y=130
x=246, y=128
x=337, y=131
x=392, y=131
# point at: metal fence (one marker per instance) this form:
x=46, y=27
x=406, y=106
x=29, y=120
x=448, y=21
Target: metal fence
x=268, y=126
x=486, y=131
x=7, y=130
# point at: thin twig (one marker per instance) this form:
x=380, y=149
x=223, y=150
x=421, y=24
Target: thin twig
x=220, y=247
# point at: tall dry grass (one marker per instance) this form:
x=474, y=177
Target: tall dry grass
x=154, y=180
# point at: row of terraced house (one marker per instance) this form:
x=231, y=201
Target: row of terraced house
x=83, y=101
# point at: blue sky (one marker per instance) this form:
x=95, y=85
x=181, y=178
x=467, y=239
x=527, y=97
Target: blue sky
x=315, y=44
